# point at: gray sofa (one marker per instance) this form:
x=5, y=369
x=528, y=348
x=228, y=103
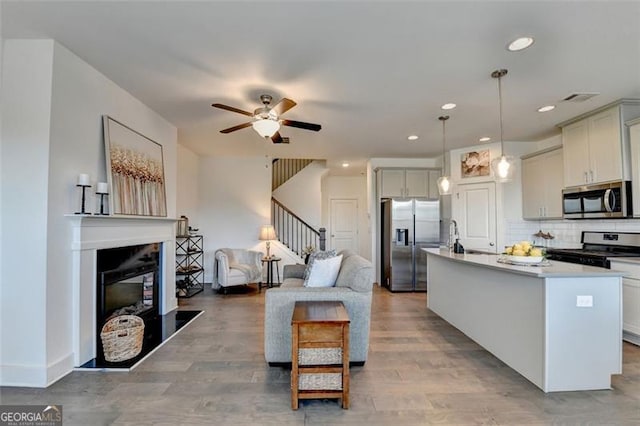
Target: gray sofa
x=353, y=287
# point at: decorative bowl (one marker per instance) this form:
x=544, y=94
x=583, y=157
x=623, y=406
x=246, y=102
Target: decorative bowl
x=524, y=259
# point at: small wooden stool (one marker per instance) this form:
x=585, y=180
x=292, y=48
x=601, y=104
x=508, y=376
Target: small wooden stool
x=319, y=352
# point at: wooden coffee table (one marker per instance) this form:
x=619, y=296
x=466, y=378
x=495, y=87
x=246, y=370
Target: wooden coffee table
x=319, y=352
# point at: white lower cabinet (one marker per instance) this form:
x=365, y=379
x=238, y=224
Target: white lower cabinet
x=630, y=300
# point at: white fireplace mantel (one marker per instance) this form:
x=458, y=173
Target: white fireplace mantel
x=92, y=233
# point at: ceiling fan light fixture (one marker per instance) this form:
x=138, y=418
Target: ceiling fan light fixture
x=265, y=127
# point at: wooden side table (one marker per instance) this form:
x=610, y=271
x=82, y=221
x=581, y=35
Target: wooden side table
x=319, y=352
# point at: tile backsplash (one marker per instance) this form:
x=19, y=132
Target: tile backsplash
x=566, y=232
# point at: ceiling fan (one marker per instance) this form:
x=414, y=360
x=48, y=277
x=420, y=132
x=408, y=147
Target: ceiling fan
x=266, y=120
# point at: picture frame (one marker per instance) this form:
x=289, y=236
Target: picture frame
x=475, y=163
x=135, y=171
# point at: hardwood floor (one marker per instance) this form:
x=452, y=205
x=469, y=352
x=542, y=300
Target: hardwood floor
x=420, y=371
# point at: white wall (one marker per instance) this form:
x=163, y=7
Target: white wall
x=26, y=105
x=188, y=186
x=235, y=201
x=302, y=193
x=56, y=129
x=349, y=187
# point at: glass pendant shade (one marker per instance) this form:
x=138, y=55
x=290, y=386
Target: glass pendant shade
x=265, y=127
x=444, y=185
x=444, y=182
x=504, y=166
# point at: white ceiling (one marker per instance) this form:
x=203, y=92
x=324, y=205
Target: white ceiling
x=370, y=73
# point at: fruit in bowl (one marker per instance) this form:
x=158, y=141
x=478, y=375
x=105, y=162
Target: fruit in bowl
x=524, y=252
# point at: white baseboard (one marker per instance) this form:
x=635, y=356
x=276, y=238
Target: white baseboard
x=36, y=376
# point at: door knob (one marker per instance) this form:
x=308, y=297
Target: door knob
x=491, y=244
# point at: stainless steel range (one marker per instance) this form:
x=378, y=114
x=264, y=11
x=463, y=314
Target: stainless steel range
x=598, y=247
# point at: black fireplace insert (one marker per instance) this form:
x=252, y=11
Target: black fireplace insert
x=128, y=284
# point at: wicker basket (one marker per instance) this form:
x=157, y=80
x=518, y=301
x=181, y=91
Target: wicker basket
x=320, y=381
x=122, y=338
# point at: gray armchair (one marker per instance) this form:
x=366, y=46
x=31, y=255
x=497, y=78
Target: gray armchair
x=237, y=267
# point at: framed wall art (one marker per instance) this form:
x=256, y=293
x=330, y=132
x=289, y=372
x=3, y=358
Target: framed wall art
x=135, y=171
x=475, y=163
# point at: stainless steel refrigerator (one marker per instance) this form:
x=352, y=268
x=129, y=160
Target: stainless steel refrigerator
x=407, y=226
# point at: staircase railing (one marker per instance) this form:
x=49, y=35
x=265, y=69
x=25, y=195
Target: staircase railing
x=282, y=169
x=294, y=232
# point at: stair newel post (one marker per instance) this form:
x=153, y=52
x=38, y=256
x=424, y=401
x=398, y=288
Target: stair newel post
x=323, y=238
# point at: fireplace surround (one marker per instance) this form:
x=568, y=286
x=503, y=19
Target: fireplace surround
x=89, y=234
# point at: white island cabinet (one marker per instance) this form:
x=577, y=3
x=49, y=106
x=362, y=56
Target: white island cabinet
x=559, y=326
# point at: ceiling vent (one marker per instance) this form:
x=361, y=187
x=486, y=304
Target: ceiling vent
x=580, y=97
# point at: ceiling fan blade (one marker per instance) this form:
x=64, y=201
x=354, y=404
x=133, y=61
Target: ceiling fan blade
x=302, y=125
x=276, y=138
x=232, y=109
x=238, y=127
x=283, y=106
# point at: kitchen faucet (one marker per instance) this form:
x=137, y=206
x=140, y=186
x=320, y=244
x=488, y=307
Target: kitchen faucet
x=453, y=232
x=454, y=246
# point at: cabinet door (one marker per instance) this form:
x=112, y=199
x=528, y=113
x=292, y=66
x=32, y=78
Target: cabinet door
x=474, y=208
x=392, y=183
x=634, y=133
x=575, y=144
x=434, y=194
x=533, y=172
x=552, y=165
x=605, y=146
x=631, y=305
x=416, y=183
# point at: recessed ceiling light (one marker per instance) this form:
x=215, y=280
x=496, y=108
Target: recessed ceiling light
x=546, y=108
x=345, y=164
x=448, y=106
x=520, y=44
x=412, y=137
x=485, y=139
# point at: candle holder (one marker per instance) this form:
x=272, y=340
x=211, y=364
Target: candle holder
x=102, y=194
x=84, y=187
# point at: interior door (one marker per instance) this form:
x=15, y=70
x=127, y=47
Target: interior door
x=344, y=224
x=474, y=209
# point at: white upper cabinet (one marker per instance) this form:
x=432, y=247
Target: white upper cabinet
x=596, y=147
x=392, y=183
x=634, y=132
x=542, y=185
x=418, y=183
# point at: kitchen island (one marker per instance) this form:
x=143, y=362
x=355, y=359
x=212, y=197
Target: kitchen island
x=560, y=326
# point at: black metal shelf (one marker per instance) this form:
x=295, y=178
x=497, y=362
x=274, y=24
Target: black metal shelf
x=189, y=265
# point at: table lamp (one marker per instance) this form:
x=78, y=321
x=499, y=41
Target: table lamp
x=267, y=233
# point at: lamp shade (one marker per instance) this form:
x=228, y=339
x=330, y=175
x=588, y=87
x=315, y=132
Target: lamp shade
x=267, y=232
x=266, y=127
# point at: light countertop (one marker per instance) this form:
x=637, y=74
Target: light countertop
x=555, y=269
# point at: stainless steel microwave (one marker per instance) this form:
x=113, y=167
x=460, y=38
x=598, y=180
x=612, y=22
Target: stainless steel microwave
x=609, y=200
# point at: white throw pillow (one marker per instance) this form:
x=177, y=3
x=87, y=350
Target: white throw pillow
x=324, y=272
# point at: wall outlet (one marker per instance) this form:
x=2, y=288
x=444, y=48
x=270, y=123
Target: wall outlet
x=584, y=301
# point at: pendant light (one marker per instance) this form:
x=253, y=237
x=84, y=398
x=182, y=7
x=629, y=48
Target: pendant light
x=504, y=166
x=444, y=182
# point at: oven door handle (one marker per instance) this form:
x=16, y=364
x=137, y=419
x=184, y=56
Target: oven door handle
x=608, y=197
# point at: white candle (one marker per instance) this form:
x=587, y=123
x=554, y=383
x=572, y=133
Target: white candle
x=84, y=180
x=102, y=188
